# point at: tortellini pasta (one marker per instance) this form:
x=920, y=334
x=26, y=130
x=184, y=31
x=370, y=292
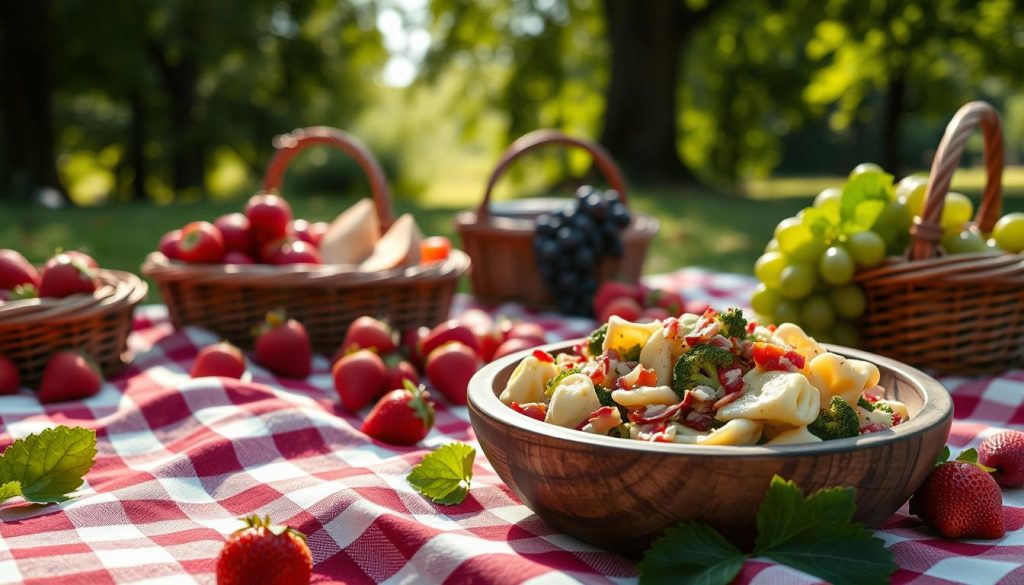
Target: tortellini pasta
x=775, y=397
x=623, y=336
x=835, y=375
x=660, y=353
x=573, y=400
x=793, y=436
x=793, y=336
x=645, y=396
x=528, y=381
x=740, y=431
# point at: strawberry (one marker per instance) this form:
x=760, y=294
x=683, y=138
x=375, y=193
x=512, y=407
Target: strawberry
x=69, y=375
x=398, y=372
x=669, y=300
x=401, y=417
x=412, y=342
x=170, y=245
x=234, y=228
x=201, y=242
x=449, y=369
x=653, y=314
x=359, y=379
x=82, y=257
x=529, y=331
x=269, y=217
x=488, y=338
x=451, y=330
x=263, y=553
x=65, y=275
x=282, y=346
x=9, y=379
x=220, y=359
x=960, y=500
x=624, y=307
x=15, y=270
x=611, y=290
x=370, y=333
x=697, y=307
x=1005, y=453
x=512, y=346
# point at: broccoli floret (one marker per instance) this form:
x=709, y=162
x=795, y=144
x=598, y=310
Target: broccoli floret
x=884, y=407
x=595, y=343
x=865, y=404
x=554, y=382
x=733, y=323
x=838, y=421
x=699, y=366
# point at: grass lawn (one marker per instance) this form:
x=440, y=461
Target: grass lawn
x=697, y=229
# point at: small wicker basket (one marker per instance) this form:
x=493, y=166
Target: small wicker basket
x=501, y=244
x=959, y=313
x=98, y=324
x=232, y=299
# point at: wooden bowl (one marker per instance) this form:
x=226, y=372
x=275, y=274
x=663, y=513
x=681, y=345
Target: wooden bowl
x=621, y=494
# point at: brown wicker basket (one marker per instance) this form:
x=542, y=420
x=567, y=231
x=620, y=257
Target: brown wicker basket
x=501, y=244
x=958, y=313
x=231, y=299
x=98, y=324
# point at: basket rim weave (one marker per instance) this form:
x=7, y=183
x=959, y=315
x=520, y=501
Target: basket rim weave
x=117, y=290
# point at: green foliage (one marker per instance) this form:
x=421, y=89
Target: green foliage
x=45, y=467
x=444, y=475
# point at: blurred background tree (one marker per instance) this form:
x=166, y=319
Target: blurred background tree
x=177, y=100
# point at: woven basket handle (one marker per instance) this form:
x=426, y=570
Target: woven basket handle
x=289, y=145
x=927, y=229
x=543, y=137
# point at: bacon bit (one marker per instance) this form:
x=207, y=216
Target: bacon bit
x=870, y=397
x=896, y=419
x=598, y=370
x=730, y=397
x=873, y=428
x=731, y=380
x=698, y=421
x=534, y=410
x=638, y=377
x=581, y=348
x=602, y=420
x=771, y=357
x=671, y=327
x=706, y=328
x=751, y=326
x=657, y=434
x=543, y=356
x=640, y=416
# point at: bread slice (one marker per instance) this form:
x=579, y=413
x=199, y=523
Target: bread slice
x=400, y=246
x=352, y=236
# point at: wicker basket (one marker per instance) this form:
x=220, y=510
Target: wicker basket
x=98, y=324
x=501, y=244
x=231, y=299
x=958, y=313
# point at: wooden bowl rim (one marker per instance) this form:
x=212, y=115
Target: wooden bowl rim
x=938, y=407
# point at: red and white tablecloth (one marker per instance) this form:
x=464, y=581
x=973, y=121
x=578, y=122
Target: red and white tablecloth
x=180, y=460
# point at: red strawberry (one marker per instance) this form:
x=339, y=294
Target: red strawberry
x=401, y=417
x=15, y=270
x=263, y=553
x=624, y=307
x=449, y=369
x=9, y=379
x=370, y=333
x=450, y=330
x=64, y=275
x=512, y=346
x=669, y=300
x=653, y=314
x=611, y=290
x=201, y=242
x=234, y=228
x=359, y=379
x=1005, y=453
x=960, y=500
x=697, y=307
x=269, y=216
x=282, y=346
x=529, y=331
x=220, y=359
x=82, y=257
x=398, y=372
x=412, y=343
x=170, y=245
x=69, y=375
x=237, y=258
x=296, y=252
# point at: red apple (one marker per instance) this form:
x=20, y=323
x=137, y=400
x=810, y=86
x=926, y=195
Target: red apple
x=269, y=216
x=170, y=245
x=297, y=252
x=234, y=228
x=450, y=330
x=233, y=257
x=201, y=242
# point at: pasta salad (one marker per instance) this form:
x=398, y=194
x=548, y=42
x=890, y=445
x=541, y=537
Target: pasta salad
x=711, y=379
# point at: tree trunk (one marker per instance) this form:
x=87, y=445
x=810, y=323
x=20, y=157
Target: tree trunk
x=895, y=107
x=641, y=115
x=28, y=160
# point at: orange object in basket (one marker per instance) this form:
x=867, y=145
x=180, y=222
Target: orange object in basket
x=434, y=248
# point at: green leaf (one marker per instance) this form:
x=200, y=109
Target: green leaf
x=864, y=216
x=968, y=455
x=444, y=475
x=48, y=465
x=943, y=456
x=816, y=535
x=9, y=490
x=823, y=222
x=870, y=186
x=691, y=553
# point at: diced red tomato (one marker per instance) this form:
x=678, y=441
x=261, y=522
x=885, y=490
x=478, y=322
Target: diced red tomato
x=534, y=410
x=598, y=370
x=435, y=248
x=771, y=357
x=639, y=377
x=751, y=326
x=671, y=327
x=543, y=356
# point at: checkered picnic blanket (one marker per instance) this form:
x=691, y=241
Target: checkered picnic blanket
x=180, y=460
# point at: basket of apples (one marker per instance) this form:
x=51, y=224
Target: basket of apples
x=226, y=275
x=67, y=303
x=904, y=270
x=550, y=252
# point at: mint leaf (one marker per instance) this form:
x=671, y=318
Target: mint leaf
x=870, y=186
x=444, y=475
x=816, y=535
x=943, y=456
x=691, y=553
x=47, y=466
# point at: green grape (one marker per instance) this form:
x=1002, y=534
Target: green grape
x=912, y=188
x=817, y=313
x=865, y=168
x=965, y=242
x=836, y=265
x=849, y=301
x=786, y=312
x=797, y=240
x=867, y=248
x=828, y=198
x=769, y=267
x=772, y=245
x=797, y=280
x=1009, y=232
x=844, y=333
x=956, y=211
x=765, y=300
x=893, y=225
